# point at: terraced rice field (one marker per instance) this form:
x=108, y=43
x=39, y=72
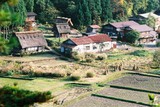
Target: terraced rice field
x=132, y=87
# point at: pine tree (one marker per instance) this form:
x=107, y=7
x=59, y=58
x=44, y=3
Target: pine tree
x=29, y=5
x=106, y=10
x=21, y=10
x=98, y=10
x=87, y=13
x=80, y=15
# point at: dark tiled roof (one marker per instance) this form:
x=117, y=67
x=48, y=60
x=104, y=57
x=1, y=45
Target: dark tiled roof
x=124, y=24
x=141, y=28
x=31, y=14
x=31, y=39
x=63, y=28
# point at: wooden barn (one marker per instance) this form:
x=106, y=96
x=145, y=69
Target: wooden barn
x=31, y=41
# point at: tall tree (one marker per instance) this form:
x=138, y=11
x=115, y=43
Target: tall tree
x=21, y=10
x=80, y=15
x=86, y=12
x=29, y=5
x=152, y=5
x=106, y=10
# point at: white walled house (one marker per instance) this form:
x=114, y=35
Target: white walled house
x=94, y=43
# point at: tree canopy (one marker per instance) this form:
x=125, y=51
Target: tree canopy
x=132, y=36
x=82, y=12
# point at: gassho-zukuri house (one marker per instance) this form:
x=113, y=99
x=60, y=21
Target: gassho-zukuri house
x=31, y=41
x=94, y=43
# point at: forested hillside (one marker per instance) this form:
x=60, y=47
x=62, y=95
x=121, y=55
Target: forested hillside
x=82, y=12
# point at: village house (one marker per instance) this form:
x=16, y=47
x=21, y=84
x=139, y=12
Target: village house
x=147, y=34
x=30, y=23
x=117, y=29
x=63, y=20
x=93, y=29
x=31, y=41
x=62, y=30
x=95, y=43
x=145, y=16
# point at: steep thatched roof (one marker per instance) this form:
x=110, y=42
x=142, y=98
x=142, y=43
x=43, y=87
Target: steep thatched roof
x=64, y=20
x=31, y=39
x=63, y=28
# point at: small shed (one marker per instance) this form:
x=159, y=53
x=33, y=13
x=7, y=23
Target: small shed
x=31, y=41
x=93, y=29
x=30, y=21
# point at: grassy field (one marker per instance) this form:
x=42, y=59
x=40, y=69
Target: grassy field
x=38, y=84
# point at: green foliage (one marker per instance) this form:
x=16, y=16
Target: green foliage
x=106, y=10
x=151, y=21
x=158, y=44
x=101, y=57
x=4, y=49
x=140, y=53
x=151, y=97
x=14, y=97
x=14, y=44
x=75, y=78
x=132, y=36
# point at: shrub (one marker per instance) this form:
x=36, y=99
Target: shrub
x=156, y=58
x=75, y=78
x=158, y=44
x=15, y=97
x=89, y=75
x=101, y=57
x=132, y=36
x=140, y=53
x=75, y=56
x=89, y=57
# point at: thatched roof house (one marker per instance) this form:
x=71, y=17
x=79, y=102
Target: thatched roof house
x=31, y=41
x=62, y=30
x=64, y=20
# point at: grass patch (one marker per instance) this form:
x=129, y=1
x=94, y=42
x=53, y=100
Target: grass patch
x=141, y=53
x=38, y=84
x=72, y=85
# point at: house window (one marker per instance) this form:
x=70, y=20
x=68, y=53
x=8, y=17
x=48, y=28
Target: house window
x=106, y=44
x=94, y=47
x=87, y=47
